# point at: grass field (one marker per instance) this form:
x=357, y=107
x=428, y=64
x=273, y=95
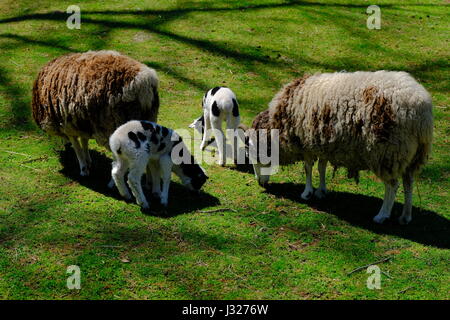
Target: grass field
x=272, y=245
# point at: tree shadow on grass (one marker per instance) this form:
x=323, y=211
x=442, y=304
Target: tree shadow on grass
x=181, y=200
x=427, y=227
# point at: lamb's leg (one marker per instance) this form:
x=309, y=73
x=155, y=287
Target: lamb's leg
x=154, y=172
x=232, y=125
x=119, y=169
x=308, y=192
x=85, y=147
x=408, y=180
x=84, y=170
x=322, y=191
x=137, y=169
x=206, y=132
x=216, y=125
x=389, y=198
x=166, y=169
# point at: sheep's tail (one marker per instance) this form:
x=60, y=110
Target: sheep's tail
x=425, y=137
x=420, y=158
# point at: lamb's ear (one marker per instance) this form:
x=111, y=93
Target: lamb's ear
x=196, y=122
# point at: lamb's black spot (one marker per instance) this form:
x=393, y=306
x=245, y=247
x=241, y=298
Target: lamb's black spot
x=146, y=125
x=147, y=147
x=154, y=138
x=215, y=110
x=133, y=137
x=141, y=136
x=158, y=129
x=119, y=151
x=235, y=108
x=214, y=90
x=161, y=146
x=210, y=141
x=164, y=131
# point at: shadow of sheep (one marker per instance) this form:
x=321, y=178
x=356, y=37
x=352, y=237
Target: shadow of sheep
x=427, y=227
x=181, y=200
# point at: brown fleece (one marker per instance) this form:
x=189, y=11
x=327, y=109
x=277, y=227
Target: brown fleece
x=84, y=94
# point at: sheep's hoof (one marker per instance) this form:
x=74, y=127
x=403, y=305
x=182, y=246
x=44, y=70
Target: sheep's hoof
x=84, y=172
x=320, y=193
x=404, y=220
x=307, y=195
x=147, y=211
x=127, y=196
x=111, y=184
x=379, y=218
x=145, y=206
x=156, y=195
x=164, y=203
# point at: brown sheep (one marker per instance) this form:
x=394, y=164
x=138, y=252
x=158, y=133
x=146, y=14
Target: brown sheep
x=84, y=96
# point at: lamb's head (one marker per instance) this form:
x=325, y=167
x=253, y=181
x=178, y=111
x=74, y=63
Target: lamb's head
x=192, y=175
x=255, y=138
x=198, y=124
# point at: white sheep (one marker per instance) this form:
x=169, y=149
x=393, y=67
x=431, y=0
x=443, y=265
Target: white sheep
x=84, y=96
x=379, y=121
x=219, y=104
x=137, y=145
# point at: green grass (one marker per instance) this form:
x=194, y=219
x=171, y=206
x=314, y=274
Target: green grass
x=272, y=245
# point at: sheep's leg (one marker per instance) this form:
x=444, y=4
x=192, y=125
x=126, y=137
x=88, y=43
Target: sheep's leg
x=308, y=192
x=206, y=132
x=216, y=125
x=154, y=172
x=84, y=170
x=389, y=198
x=322, y=191
x=166, y=170
x=85, y=147
x=137, y=169
x=408, y=180
x=119, y=169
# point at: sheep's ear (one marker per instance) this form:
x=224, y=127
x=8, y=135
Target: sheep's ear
x=243, y=127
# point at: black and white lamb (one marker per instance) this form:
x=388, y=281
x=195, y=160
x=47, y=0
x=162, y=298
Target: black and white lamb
x=140, y=145
x=219, y=104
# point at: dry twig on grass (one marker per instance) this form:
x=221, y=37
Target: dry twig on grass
x=217, y=210
x=368, y=265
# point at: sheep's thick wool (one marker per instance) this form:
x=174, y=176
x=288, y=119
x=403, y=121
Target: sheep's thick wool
x=379, y=121
x=91, y=94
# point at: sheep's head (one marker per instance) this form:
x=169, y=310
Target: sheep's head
x=255, y=138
